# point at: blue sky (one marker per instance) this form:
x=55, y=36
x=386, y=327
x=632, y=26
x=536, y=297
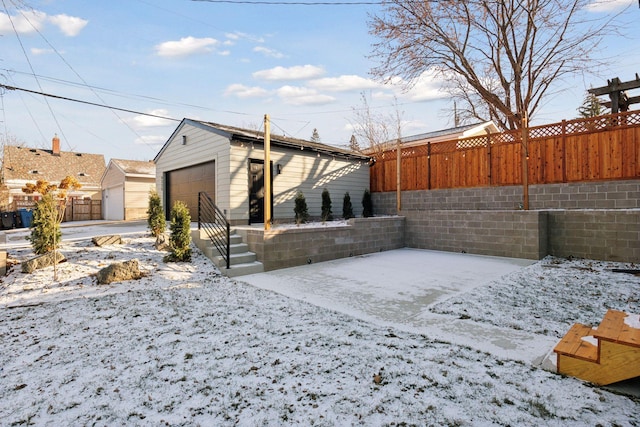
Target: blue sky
x=305, y=66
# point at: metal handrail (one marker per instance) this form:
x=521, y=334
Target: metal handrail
x=215, y=225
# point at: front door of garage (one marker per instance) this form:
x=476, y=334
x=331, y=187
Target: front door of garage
x=256, y=191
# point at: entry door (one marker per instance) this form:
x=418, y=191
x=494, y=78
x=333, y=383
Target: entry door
x=256, y=191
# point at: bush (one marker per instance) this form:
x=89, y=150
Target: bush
x=180, y=239
x=302, y=213
x=155, y=215
x=326, y=215
x=367, y=204
x=347, y=208
x=45, y=234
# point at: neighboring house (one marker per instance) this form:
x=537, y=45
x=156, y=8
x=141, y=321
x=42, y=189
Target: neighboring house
x=22, y=165
x=125, y=189
x=227, y=163
x=452, y=134
x=460, y=132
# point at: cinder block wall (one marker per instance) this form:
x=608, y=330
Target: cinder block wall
x=290, y=247
x=595, y=234
x=589, y=195
x=518, y=234
x=597, y=220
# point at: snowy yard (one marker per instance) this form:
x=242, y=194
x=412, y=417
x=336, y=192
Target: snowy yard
x=186, y=346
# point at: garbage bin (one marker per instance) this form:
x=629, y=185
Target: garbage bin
x=7, y=220
x=26, y=215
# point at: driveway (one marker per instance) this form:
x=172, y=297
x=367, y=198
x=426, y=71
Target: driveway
x=396, y=289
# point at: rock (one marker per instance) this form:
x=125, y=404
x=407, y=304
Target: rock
x=162, y=243
x=119, y=272
x=107, y=240
x=41, y=261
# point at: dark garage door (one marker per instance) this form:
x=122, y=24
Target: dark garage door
x=184, y=185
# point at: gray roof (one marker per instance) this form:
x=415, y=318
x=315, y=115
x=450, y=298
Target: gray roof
x=135, y=167
x=32, y=164
x=255, y=136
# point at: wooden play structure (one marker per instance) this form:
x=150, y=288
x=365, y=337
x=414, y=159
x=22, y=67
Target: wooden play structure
x=602, y=355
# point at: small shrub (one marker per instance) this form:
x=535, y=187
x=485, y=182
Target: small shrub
x=45, y=233
x=180, y=239
x=326, y=215
x=367, y=204
x=347, y=207
x=155, y=215
x=302, y=213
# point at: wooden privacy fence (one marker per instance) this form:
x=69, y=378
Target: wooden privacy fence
x=592, y=149
x=76, y=210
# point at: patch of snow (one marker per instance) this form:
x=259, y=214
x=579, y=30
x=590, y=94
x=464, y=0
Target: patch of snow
x=632, y=320
x=186, y=346
x=590, y=339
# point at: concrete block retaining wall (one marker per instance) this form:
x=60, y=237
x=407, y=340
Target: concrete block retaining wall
x=290, y=247
x=518, y=234
x=598, y=220
x=585, y=195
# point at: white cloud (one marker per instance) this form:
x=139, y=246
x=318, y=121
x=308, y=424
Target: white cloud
x=344, y=83
x=608, y=5
x=25, y=23
x=69, y=25
x=153, y=140
x=295, y=95
x=298, y=72
x=268, y=52
x=425, y=88
x=186, y=46
x=237, y=35
x=142, y=121
x=242, y=91
x=38, y=51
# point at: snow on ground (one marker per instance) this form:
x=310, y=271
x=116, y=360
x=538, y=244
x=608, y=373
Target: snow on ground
x=546, y=297
x=186, y=346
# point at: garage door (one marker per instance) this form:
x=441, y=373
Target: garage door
x=185, y=184
x=114, y=203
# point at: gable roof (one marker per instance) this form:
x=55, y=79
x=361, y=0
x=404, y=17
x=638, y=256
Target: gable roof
x=248, y=135
x=137, y=168
x=450, y=134
x=32, y=164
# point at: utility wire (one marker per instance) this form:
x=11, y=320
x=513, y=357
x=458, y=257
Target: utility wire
x=294, y=3
x=64, y=98
x=32, y=70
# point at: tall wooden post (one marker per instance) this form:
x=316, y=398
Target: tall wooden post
x=267, y=173
x=525, y=160
x=398, y=176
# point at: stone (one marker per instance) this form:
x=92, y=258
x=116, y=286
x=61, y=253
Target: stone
x=119, y=272
x=3, y=263
x=107, y=240
x=162, y=243
x=41, y=261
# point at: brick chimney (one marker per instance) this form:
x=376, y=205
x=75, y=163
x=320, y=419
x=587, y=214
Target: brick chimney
x=55, y=146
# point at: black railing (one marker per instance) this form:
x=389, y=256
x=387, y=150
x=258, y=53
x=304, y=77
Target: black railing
x=215, y=225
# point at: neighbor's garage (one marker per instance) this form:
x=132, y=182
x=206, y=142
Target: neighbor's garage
x=185, y=184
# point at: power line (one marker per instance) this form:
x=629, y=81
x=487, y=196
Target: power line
x=64, y=98
x=295, y=3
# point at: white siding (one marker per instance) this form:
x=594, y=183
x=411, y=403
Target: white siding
x=136, y=197
x=202, y=146
x=113, y=193
x=302, y=170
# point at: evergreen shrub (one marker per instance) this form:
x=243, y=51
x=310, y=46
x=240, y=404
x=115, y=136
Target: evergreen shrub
x=367, y=204
x=300, y=209
x=155, y=215
x=180, y=238
x=326, y=215
x=347, y=207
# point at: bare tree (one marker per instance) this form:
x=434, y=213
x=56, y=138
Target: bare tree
x=499, y=57
x=377, y=130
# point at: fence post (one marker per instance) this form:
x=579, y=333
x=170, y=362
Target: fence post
x=564, y=151
x=429, y=165
x=489, y=155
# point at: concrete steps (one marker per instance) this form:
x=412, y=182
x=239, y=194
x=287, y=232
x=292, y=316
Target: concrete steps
x=242, y=261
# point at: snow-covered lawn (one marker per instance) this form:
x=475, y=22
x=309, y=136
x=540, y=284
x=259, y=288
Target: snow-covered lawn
x=186, y=346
